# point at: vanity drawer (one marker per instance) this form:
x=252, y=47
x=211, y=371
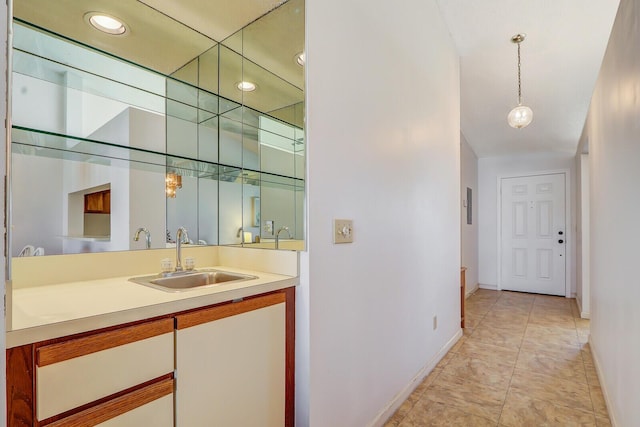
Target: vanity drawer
x=80, y=371
x=148, y=406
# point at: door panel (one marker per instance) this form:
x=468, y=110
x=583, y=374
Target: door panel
x=533, y=234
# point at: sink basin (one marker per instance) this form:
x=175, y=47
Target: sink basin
x=184, y=281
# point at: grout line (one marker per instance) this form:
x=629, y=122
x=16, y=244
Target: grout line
x=515, y=364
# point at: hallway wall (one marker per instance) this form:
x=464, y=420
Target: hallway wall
x=614, y=149
x=469, y=232
x=489, y=170
x=383, y=134
x=3, y=141
x=583, y=294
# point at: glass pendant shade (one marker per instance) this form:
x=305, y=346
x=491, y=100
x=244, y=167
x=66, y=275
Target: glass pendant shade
x=520, y=117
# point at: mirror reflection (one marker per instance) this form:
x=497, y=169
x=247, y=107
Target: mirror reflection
x=137, y=134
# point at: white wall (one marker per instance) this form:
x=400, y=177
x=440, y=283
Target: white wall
x=3, y=142
x=383, y=133
x=613, y=133
x=469, y=233
x=489, y=169
x=583, y=295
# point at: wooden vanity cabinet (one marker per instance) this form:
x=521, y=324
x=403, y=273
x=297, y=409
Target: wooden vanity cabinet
x=235, y=363
x=107, y=377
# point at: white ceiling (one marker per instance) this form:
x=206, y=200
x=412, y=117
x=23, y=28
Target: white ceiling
x=561, y=58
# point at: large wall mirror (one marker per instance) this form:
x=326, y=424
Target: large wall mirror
x=193, y=116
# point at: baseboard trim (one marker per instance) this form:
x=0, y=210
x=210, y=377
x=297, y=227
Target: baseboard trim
x=490, y=287
x=605, y=393
x=399, y=398
x=583, y=314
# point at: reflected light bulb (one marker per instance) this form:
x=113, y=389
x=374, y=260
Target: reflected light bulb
x=521, y=116
x=107, y=24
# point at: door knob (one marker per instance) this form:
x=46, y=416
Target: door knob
x=560, y=241
x=561, y=232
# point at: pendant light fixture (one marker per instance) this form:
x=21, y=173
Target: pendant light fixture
x=521, y=115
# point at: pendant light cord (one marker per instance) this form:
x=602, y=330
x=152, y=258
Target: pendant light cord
x=519, y=79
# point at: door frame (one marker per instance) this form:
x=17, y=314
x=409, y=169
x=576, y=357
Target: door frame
x=569, y=261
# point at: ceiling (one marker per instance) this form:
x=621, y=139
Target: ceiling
x=264, y=52
x=561, y=57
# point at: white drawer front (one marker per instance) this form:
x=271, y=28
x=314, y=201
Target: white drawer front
x=74, y=382
x=158, y=413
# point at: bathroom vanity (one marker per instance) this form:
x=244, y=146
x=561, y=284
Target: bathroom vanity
x=223, y=355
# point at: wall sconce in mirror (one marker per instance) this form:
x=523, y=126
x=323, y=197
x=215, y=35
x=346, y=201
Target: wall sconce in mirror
x=173, y=182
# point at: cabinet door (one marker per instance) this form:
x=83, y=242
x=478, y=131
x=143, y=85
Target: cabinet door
x=231, y=365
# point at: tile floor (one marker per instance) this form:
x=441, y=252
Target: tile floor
x=524, y=360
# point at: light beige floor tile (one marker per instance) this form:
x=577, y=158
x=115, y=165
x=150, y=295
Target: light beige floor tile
x=476, y=310
x=395, y=420
x=539, y=362
x=510, y=307
x=519, y=296
x=484, y=294
x=542, y=311
x=472, y=320
x=535, y=346
x=433, y=414
x=556, y=320
x=560, y=392
x=552, y=301
x=481, y=350
x=490, y=372
x=445, y=359
x=459, y=344
x=551, y=335
x=583, y=336
x=428, y=381
x=474, y=398
x=583, y=324
x=599, y=405
x=507, y=316
x=521, y=410
x=405, y=408
x=567, y=352
x=592, y=374
x=497, y=337
x=502, y=323
x=515, y=300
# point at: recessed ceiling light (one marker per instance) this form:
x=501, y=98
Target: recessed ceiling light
x=300, y=58
x=246, y=86
x=106, y=23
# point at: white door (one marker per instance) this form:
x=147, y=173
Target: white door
x=533, y=234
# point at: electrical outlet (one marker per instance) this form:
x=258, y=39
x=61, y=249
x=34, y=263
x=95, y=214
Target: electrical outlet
x=435, y=322
x=342, y=231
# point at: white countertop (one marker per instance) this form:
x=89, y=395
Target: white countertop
x=52, y=311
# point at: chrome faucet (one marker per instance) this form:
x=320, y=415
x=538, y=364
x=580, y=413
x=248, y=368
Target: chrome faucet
x=147, y=236
x=181, y=237
x=278, y=235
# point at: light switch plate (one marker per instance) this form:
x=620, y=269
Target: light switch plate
x=342, y=231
